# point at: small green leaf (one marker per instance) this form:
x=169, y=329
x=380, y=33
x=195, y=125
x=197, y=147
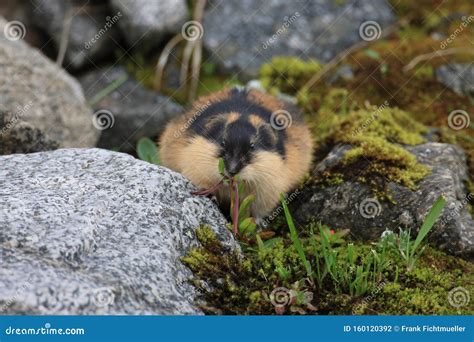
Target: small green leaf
x=147, y=151
x=247, y=226
x=372, y=54
x=244, y=206
x=271, y=242
x=260, y=244
x=221, y=166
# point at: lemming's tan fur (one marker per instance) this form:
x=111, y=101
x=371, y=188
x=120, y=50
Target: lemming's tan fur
x=266, y=176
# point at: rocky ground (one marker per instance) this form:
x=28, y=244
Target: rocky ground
x=87, y=228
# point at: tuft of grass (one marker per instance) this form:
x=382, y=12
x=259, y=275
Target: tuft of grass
x=295, y=239
x=409, y=250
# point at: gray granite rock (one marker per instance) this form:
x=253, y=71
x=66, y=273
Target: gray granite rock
x=90, y=231
x=43, y=94
x=137, y=112
x=92, y=33
x=353, y=205
x=150, y=21
x=241, y=35
x=458, y=77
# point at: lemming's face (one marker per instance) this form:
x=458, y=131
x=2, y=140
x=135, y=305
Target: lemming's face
x=241, y=144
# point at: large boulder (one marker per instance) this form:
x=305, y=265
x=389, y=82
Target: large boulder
x=148, y=22
x=241, y=35
x=353, y=205
x=92, y=32
x=137, y=112
x=90, y=231
x=43, y=94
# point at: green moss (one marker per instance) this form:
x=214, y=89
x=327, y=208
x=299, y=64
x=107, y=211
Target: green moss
x=230, y=283
x=425, y=290
x=377, y=136
x=287, y=74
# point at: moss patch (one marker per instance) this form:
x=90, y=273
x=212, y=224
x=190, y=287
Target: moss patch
x=287, y=74
x=377, y=136
x=232, y=284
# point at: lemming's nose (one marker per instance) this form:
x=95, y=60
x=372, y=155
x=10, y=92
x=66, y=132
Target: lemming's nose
x=232, y=168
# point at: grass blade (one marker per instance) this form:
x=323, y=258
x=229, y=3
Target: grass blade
x=295, y=238
x=430, y=220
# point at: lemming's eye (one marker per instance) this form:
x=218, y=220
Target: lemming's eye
x=222, y=143
x=252, y=145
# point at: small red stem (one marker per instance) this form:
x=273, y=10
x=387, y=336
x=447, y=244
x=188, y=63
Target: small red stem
x=236, y=207
x=209, y=191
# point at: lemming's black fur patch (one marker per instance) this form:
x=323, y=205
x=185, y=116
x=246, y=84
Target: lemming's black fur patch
x=241, y=130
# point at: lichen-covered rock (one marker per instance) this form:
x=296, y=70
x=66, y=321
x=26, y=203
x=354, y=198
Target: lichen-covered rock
x=89, y=231
x=458, y=77
x=149, y=21
x=242, y=35
x=92, y=32
x=137, y=112
x=353, y=205
x=43, y=94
